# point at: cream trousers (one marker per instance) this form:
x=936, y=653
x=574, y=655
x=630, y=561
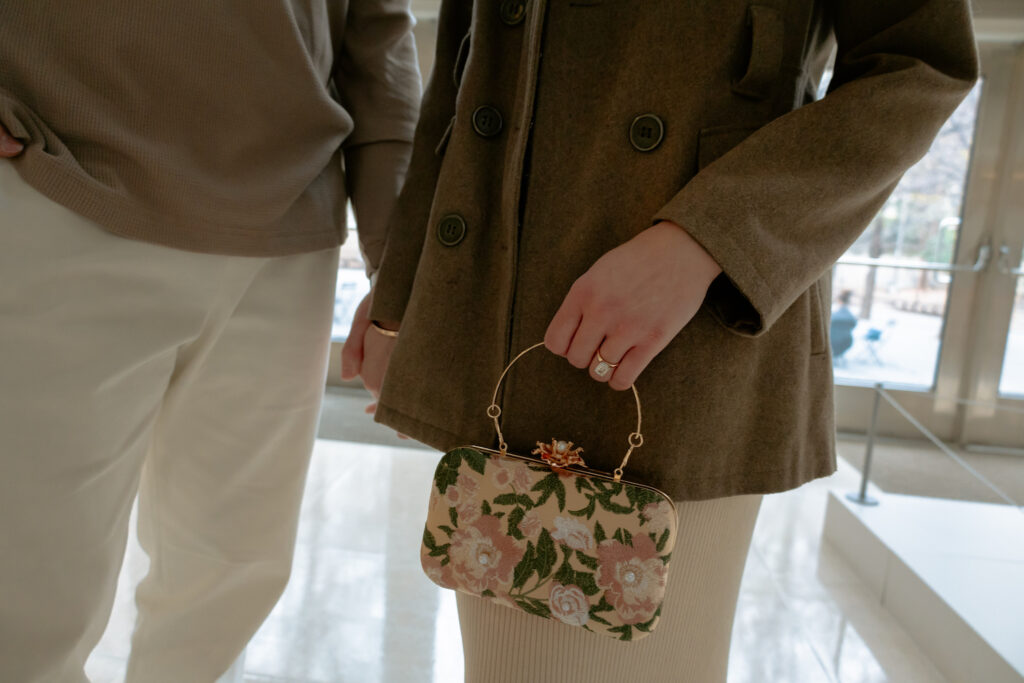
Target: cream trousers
x=690, y=644
x=194, y=379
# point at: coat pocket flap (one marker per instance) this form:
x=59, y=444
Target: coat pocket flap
x=766, y=36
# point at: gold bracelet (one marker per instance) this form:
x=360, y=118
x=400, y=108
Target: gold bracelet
x=383, y=330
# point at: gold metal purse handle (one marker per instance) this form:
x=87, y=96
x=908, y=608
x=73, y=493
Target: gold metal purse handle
x=636, y=439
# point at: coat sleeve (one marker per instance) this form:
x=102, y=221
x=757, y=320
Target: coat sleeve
x=408, y=224
x=781, y=207
x=378, y=81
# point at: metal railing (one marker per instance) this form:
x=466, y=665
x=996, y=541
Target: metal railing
x=862, y=497
x=980, y=264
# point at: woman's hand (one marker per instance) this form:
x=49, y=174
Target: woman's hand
x=632, y=303
x=9, y=147
x=367, y=351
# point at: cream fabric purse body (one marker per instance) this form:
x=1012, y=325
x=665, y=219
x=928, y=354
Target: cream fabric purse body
x=549, y=536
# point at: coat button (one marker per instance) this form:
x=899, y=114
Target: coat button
x=646, y=132
x=451, y=230
x=487, y=121
x=513, y=12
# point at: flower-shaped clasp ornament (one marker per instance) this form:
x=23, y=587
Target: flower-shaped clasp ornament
x=559, y=454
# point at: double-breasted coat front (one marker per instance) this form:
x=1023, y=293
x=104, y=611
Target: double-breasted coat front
x=553, y=131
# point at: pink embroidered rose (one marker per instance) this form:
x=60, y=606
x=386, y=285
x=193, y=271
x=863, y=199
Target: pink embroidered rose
x=658, y=516
x=523, y=479
x=501, y=475
x=469, y=511
x=573, y=533
x=633, y=577
x=530, y=525
x=569, y=604
x=463, y=489
x=483, y=557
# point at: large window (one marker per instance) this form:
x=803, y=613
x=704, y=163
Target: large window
x=888, y=321
x=1012, y=382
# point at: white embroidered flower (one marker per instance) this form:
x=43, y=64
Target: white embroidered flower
x=658, y=515
x=569, y=605
x=574, y=534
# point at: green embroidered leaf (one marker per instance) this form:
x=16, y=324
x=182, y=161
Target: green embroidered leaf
x=627, y=538
x=560, y=493
x=524, y=569
x=445, y=476
x=586, y=583
x=626, y=630
x=602, y=606
x=440, y=550
x=474, y=458
x=583, y=483
x=565, y=575
x=662, y=541
x=648, y=625
x=488, y=593
x=587, y=511
x=608, y=504
x=666, y=558
x=485, y=508
x=447, y=529
x=599, y=534
x=505, y=499
x=586, y=560
x=452, y=459
x=499, y=515
x=428, y=539
x=446, y=560
x=453, y=514
x=641, y=498
x=524, y=500
x=535, y=607
x=547, y=555
x=514, y=518
x=600, y=620
x=545, y=488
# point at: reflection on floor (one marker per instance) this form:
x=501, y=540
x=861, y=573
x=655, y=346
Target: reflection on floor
x=358, y=608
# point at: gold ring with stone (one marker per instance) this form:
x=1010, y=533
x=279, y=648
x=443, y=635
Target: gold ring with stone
x=603, y=367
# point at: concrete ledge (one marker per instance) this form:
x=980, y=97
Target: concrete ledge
x=951, y=572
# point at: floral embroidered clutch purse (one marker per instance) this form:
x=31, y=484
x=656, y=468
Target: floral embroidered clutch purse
x=549, y=536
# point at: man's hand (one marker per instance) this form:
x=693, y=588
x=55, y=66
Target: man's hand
x=366, y=352
x=9, y=147
x=632, y=303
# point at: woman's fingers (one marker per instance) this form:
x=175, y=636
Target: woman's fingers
x=585, y=342
x=632, y=364
x=563, y=326
x=352, y=351
x=611, y=351
x=9, y=147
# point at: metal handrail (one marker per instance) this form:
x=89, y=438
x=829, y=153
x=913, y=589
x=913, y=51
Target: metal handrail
x=880, y=393
x=984, y=255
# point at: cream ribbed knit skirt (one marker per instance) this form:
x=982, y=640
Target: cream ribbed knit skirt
x=690, y=644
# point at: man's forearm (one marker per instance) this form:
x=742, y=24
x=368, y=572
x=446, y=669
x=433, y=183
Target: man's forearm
x=375, y=173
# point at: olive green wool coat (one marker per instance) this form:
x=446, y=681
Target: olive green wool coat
x=555, y=130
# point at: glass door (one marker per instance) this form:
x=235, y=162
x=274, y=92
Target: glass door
x=930, y=287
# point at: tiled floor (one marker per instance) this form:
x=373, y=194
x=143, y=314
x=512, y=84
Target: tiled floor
x=358, y=609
